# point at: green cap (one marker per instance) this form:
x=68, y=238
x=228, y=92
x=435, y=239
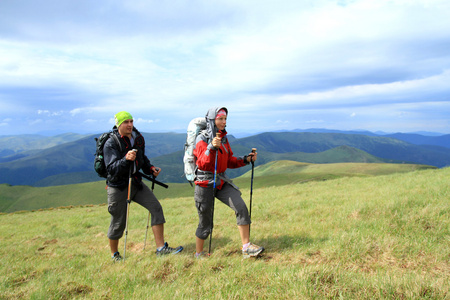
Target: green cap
x=122, y=116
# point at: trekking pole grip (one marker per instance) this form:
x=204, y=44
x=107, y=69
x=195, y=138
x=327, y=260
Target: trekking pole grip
x=253, y=151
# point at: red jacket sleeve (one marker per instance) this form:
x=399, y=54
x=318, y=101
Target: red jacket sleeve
x=233, y=162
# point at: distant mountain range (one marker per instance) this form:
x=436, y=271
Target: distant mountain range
x=67, y=159
x=417, y=138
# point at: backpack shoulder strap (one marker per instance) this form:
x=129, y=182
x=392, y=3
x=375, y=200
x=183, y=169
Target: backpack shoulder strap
x=116, y=139
x=203, y=134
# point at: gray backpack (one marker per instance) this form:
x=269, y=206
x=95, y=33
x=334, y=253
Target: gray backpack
x=195, y=127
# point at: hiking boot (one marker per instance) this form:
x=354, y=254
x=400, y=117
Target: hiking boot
x=201, y=255
x=252, y=251
x=167, y=250
x=117, y=257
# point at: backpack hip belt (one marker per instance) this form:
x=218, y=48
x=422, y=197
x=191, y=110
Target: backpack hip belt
x=206, y=175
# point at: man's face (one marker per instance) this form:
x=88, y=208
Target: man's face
x=126, y=128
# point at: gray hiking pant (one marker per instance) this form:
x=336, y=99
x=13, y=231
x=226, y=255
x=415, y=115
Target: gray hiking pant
x=204, y=202
x=117, y=207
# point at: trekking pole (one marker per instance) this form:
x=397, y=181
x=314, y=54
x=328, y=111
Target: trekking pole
x=146, y=231
x=251, y=190
x=214, y=195
x=148, y=218
x=128, y=211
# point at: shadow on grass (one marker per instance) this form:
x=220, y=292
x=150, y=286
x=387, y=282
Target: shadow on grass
x=216, y=244
x=271, y=244
x=286, y=242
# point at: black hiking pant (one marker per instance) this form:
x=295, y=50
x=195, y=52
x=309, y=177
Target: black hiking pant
x=228, y=195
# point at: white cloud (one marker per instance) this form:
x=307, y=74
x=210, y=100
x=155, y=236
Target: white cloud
x=314, y=121
x=167, y=66
x=49, y=113
x=140, y=120
x=90, y=121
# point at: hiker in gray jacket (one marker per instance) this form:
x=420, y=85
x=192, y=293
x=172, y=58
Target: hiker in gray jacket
x=121, y=161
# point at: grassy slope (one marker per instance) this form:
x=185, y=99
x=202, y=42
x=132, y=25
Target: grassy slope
x=342, y=169
x=381, y=237
x=16, y=198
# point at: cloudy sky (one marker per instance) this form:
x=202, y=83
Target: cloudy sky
x=70, y=65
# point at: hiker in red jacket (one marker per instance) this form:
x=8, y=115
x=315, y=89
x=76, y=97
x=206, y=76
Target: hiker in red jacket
x=208, y=147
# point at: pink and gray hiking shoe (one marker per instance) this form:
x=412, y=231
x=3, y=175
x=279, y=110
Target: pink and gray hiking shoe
x=201, y=255
x=252, y=251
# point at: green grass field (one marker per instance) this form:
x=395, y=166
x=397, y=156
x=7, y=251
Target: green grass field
x=366, y=237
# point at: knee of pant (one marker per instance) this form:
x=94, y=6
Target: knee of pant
x=203, y=207
x=202, y=233
x=242, y=212
x=114, y=209
x=243, y=218
x=154, y=208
